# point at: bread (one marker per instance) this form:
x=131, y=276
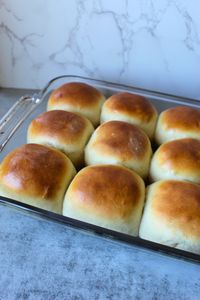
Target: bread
x=130, y=108
x=172, y=215
x=116, y=142
x=178, y=159
x=108, y=196
x=80, y=98
x=176, y=123
x=66, y=131
x=37, y=175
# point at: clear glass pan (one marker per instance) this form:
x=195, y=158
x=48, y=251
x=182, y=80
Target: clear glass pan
x=13, y=130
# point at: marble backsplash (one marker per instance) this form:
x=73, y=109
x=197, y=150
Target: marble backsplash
x=145, y=43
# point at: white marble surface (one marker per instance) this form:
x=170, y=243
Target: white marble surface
x=146, y=43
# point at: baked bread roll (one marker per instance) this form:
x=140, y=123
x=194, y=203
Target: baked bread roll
x=80, y=98
x=120, y=143
x=172, y=215
x=178, y=159
x=177, y=123
x=36, y=175
x=108, y=196
x=130, y=108
x=66, y=131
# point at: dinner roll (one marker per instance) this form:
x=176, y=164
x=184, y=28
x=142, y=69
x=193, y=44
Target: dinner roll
x=172, y=215
x=176, y=123
x=117, y=142
x=37, y=175
x=130, y=108
x=80, y=98
x=66, y=131
x=178, y=159
x=108, y=196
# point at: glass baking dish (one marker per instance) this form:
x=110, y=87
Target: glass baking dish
x=13, y=131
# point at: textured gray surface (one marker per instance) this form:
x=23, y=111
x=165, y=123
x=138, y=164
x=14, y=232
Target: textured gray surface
x=44, y=260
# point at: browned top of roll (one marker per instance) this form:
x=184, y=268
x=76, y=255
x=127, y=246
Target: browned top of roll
x=182, y=117
x=62, y=124
x=131, y=105
x=183, y=154
x=77, y=94
x=106, y=190
x=35, y=169
x=121, y=138
x=178, y=203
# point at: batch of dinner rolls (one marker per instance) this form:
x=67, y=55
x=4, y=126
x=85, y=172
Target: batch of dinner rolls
x=114, y=163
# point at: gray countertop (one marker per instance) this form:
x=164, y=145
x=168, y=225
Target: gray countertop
x=41, y=259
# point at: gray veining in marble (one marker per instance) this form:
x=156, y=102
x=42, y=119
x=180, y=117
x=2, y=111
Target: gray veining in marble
x=149, y=44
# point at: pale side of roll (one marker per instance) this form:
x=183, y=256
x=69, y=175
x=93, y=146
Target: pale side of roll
x=172, y=215
x=117, y=142
x=177, y=123
x=108, y=196
x=178, y=159
x=65, y=131
x=36, y=175
x=80, y=98
x=131, y=108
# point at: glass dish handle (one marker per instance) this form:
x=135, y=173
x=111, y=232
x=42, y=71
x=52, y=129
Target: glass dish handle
x=15, y=116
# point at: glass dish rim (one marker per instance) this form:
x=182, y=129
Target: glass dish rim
x=37, y=98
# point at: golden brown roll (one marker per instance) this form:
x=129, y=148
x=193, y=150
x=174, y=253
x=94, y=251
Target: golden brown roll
x=37, y=175
x=172, y=215
x=66, y=131
x=108, y=196
x=80, y=98
x=178, y=159
x=120, y=143
x=176, y=123
x=130, y=108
